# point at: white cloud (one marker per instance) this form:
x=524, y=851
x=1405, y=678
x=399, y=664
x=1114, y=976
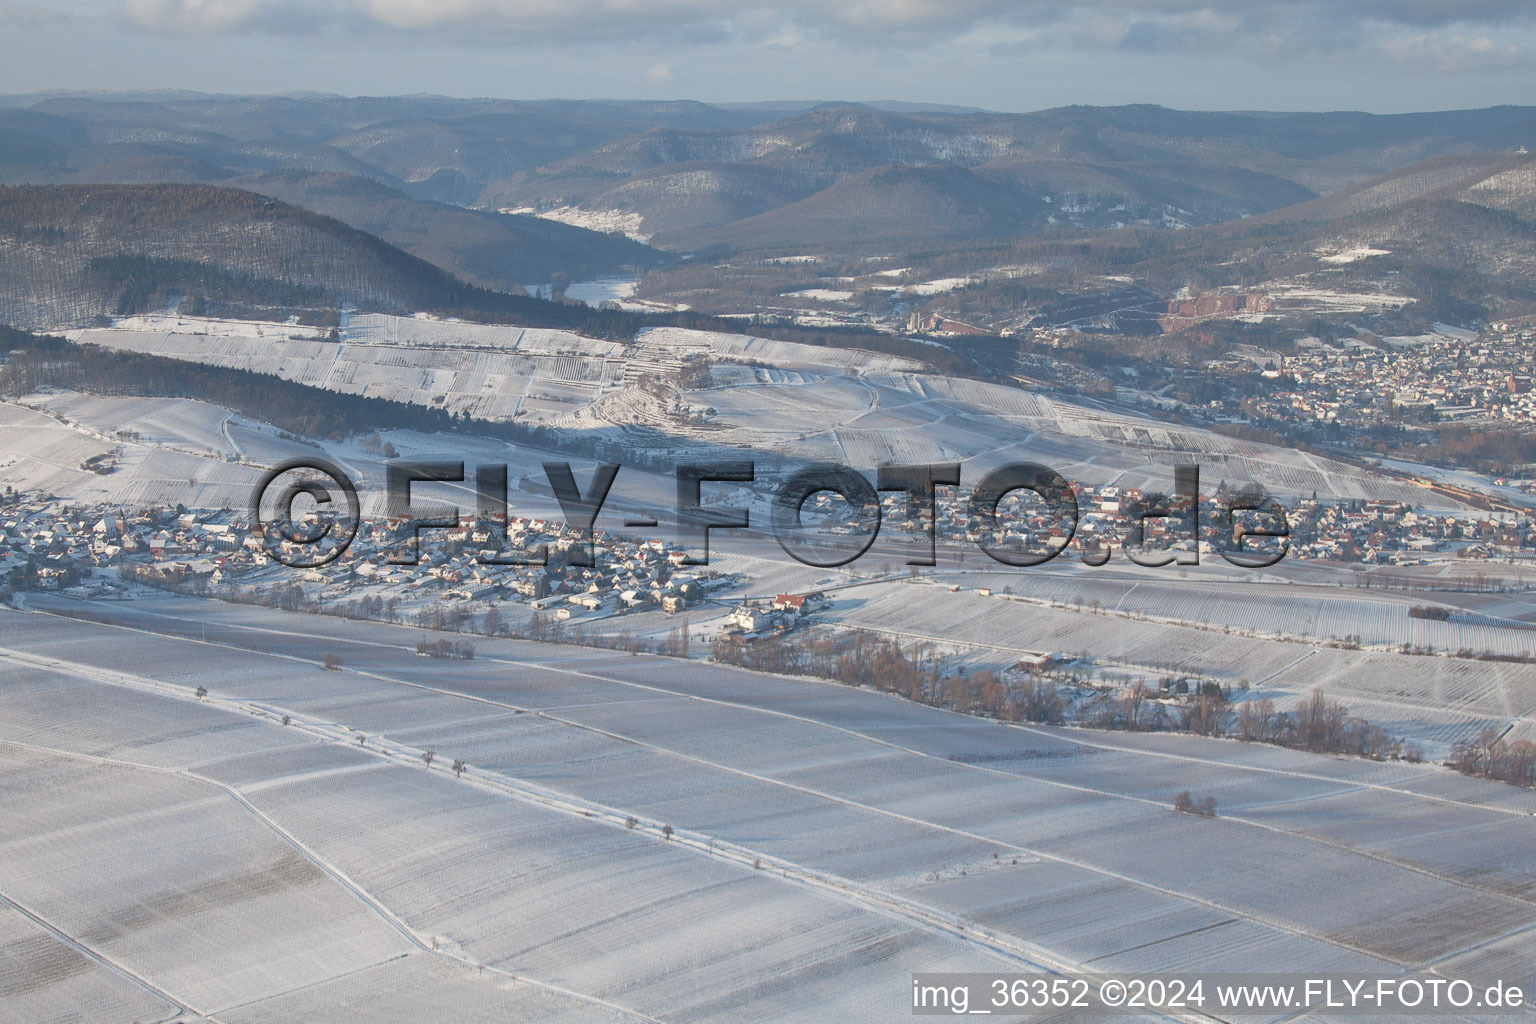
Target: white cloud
x=1455, y=36
x=194, y=15
x=659, y=73
x=949, y=17
x=1452, y=53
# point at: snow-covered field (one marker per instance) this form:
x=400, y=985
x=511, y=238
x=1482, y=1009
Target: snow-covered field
x=1359, y=252
x=177, y=456
x=801, y=402
x=1294, y=297
x=596, y=292
x=492, y=372
x=629, y=223
x=939, y=286
x=1178, y=628
x=822, y=294
x=179, y=452
x=217, y=327
x=603, y=289
x=1273, y=604
x=875, y=417
x=828, y=841
x=497, y=373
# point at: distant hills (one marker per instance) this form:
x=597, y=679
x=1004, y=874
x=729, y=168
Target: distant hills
x=1458, y=229
x=489, y=249
x=386, y=166
x=72, y=253
x=689, y=171
x=1084, y=167
x=78, y=251
x=715, y=197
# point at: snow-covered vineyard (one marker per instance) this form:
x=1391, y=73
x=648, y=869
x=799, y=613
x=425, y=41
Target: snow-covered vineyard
x=533, y=373
x=1434, y=699
x=183, y=460
x=487, y=372
x=1273, y=605
x=167, y=451
x=915, y=418
x=798, y=401
x=646, y=839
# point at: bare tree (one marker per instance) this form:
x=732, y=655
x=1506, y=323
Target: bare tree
x=428, y=756
x=1520, y=763
x=1041, y=702
x=1131, y=702
x=1256, y=721
x=1205, y=715
x=1320, y=722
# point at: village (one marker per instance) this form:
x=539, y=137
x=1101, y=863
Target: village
x=99, y=553
x=78, y=548
x=1440, y=377
x=1351, y=532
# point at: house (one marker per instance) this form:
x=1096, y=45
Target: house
x=750, y=619
x=789, y=603
x=1037, y=662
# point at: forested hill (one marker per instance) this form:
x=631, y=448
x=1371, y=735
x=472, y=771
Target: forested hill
x=71, y=253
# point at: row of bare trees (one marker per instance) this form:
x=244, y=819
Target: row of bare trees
x=859, y=658
x=442, y=647
x=1317, y=724
x=1322, y=725
x=1492, y=756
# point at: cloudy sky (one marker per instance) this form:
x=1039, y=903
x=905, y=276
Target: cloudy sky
x=1380, y=55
